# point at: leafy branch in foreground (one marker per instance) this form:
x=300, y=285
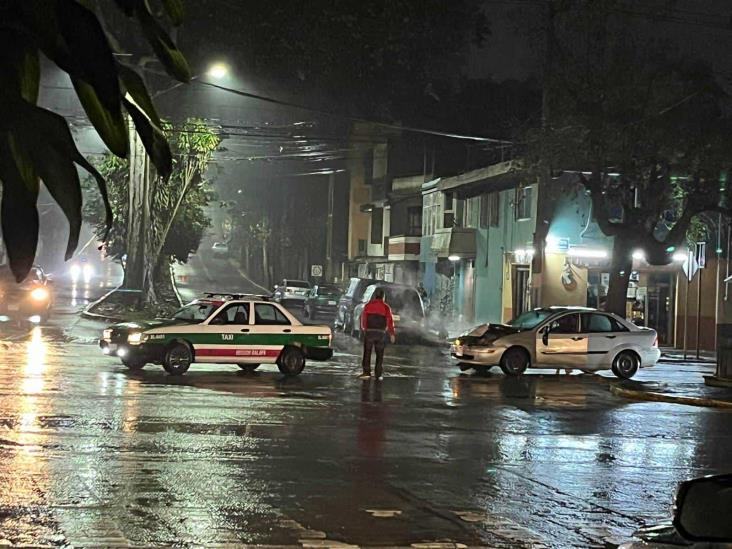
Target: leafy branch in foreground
x=36, y=143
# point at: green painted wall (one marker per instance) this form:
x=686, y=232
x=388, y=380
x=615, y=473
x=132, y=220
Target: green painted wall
x=491, y=245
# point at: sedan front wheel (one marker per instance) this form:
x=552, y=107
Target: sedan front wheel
x=515, y=361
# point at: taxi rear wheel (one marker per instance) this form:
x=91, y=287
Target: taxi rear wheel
x=178, y=359
x=248, y=367
x=291, y=361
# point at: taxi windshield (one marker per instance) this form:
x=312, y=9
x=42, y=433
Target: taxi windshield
x=530, y=319
x=195, y=312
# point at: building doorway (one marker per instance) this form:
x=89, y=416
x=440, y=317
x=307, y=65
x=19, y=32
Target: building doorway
x=520, y=289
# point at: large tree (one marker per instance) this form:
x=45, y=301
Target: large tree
x=176, y=219
x=35, y=143
x=646, y=131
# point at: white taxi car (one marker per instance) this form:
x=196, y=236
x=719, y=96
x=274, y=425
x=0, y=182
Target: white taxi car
x=221, y=328
x=559, y=337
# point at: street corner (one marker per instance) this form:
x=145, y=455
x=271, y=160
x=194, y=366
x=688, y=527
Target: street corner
x=692, y=396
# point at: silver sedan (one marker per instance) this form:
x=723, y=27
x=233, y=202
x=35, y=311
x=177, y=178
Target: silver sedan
x=559, y=337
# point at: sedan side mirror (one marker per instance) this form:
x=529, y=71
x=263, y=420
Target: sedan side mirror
x=702, y=509
x=545, y=335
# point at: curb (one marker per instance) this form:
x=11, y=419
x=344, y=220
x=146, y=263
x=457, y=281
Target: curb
x=86, y=313
x=663, y=397
x=714, y=381
x=175, y=286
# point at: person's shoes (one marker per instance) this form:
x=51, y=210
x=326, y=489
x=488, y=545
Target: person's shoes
x=364, y=376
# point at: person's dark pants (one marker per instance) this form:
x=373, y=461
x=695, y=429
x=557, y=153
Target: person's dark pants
x=376, y=340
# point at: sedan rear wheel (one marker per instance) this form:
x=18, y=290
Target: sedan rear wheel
x=178, y=359
x=626, y=364
x=515, y=361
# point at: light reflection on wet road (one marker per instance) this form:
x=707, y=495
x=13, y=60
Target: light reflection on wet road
x=93, y=454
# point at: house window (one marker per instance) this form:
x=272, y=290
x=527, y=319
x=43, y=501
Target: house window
x=414, y=221
x=523, y=203
x=489, y=210
x=448, y=216
x=377, y=225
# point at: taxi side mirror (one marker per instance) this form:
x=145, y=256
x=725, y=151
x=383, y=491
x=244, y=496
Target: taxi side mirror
x=701, y=504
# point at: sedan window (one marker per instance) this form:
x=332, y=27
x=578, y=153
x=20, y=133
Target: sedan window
x=233, y=314
x=568, y=324
x=595, y=323
x=266, y=314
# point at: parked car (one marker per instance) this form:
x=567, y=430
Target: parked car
x=291, y=292
x=559, y=337
x=349, y=300
x=701, y=518
x=322, y=301
x=220, y=329
x=220, y=249
x=406, y=307
x=30, y=301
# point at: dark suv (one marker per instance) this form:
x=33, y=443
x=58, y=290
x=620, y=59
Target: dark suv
x=349, y=300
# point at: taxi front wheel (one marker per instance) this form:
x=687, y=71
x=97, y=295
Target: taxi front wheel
x=178, y=359
x=291, y=361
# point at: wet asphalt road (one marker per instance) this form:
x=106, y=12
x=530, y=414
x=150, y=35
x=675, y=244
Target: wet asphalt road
x=93, y=455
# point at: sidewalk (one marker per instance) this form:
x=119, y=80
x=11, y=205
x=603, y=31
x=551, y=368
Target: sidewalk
x=670, y=354
x=675, y=382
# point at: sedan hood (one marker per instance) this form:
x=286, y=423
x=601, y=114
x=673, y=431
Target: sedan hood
x=146, y=324
x=489, y=329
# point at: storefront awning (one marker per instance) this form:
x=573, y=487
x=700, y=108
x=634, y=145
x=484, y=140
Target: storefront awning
x=459, y=242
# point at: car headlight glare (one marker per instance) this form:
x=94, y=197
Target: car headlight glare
x=135, y=338
x=39, y=294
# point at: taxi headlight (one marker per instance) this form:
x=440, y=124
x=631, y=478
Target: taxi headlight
x=135, y=338
x=39, y=294
x=107, y=334
x=457, y=342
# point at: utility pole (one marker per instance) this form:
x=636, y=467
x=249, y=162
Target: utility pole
x=329, y=230
x=543, y=201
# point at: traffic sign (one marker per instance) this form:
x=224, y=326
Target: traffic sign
x=701, y=254
x=316, y=271
x=690, y=266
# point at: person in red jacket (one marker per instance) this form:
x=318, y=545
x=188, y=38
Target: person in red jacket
x=376, y=322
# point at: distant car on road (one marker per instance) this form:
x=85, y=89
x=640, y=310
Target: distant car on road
x=322, y=301
x=29, y=301
x=349, y=300
x=291, y=292
x=220, y=329
x=406, y=307
x=559, y=337
x=220, y=249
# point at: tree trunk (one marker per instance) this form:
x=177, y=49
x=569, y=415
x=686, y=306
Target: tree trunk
x=622, y=265
x=138, y=199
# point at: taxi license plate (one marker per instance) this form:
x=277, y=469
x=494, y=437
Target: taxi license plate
x=13, y=307
x=331, y=303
